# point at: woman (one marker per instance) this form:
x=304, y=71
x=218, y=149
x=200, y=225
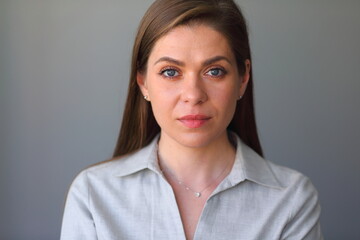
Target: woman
x=188, y=161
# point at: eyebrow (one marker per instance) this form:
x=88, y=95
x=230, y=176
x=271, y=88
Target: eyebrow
x=180, y=63
x=216, y=59
x=171, y=60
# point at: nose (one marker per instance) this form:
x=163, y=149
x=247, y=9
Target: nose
x=193, y=90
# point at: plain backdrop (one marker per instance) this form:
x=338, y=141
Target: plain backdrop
x=64, y=67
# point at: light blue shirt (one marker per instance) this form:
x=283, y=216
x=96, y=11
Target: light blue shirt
x=129, y=198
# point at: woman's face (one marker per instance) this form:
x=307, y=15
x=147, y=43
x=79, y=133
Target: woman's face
x=193, y=84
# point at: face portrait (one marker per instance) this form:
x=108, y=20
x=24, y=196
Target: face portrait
x=193, y=84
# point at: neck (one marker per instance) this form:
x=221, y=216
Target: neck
x=197, y=165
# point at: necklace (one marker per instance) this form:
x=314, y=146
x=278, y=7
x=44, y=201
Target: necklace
x=195, y=193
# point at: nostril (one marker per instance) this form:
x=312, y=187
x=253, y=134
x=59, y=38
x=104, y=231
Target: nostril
x=193, y=90
x=197, y=98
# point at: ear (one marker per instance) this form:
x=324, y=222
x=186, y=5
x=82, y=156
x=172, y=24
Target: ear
x=245, y=78
x=141, y=81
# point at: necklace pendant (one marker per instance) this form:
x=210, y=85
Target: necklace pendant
x=197, y=194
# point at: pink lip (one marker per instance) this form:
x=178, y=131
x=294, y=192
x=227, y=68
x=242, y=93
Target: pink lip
x=194, y=121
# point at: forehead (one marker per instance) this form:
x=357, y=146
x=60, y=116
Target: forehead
x=191, y=42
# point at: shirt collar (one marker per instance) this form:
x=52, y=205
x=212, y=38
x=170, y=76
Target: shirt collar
x=145, y=158
x=248, y=164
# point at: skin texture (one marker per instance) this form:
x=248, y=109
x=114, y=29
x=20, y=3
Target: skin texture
x=193, y=89
x=192, y=83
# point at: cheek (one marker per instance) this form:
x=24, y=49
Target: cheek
x=226, y=96
x=225, y=100
x=162, y=101
x=163, y=95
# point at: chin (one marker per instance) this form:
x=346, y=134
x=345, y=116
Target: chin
x=196, y=140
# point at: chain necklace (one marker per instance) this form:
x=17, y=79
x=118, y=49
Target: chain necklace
x=195, y=193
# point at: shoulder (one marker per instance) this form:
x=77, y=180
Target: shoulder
x=301, y=199
x=117, y=167
x=93, y=174
x=294, y=186
x=301, y=194
x=293, y=181
x=303, y=202
x=265, y=172
x=286, y=176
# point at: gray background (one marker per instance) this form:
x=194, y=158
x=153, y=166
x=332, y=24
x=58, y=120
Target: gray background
x=64, y=72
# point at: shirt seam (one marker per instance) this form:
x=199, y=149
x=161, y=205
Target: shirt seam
x=292, y=209
x=89, y=200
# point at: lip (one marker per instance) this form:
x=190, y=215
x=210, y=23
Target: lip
x=194, y=121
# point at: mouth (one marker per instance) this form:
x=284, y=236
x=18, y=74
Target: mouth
x=194, y=121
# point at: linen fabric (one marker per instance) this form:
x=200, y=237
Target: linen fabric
x=128, y=198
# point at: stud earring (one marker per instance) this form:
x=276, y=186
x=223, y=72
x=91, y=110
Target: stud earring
x=146, y=97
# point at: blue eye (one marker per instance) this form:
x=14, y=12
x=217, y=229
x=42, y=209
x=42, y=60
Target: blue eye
x=216, y=72
x=170, y=73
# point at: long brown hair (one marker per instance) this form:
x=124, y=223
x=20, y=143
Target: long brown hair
x=139, y=126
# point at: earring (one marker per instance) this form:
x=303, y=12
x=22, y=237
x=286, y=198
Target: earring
x=146, y=97
x=239, y=97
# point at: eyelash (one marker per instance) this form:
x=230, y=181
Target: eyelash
x=222, y=73
x=164, y=70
